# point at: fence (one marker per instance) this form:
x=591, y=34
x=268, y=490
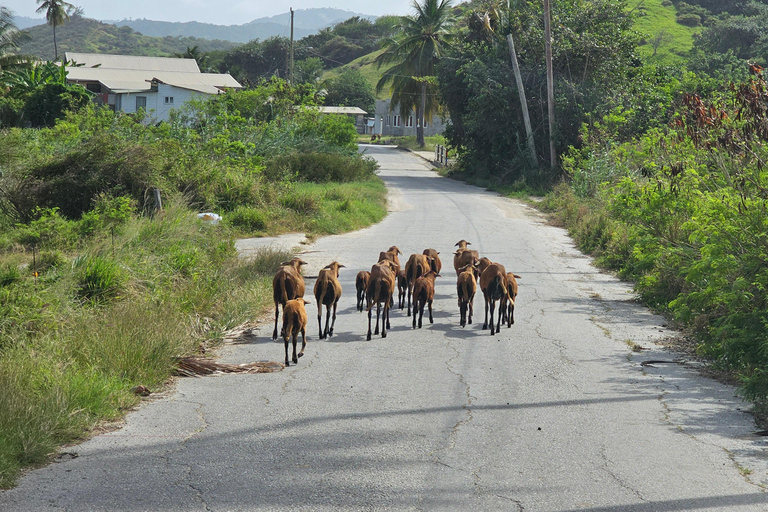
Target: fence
x=441, y=155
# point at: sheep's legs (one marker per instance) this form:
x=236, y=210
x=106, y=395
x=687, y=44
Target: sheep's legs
x=369, y=325
x=333, y=322
x=303, y=344
x=463, y=313
x=277, y=312
x=385, y=320
x=410, y=288
x=471, y=307
x=485, y=324
x=430, y=311
x=493, y=308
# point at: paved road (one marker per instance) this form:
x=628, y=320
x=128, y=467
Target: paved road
x=553, y=414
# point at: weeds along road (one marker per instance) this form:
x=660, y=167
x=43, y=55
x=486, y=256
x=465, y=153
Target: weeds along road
x=556, y=413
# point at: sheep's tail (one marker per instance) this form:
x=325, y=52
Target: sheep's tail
x=376, y=293
x=321, y=289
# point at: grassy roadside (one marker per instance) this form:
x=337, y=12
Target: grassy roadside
x=113, y=311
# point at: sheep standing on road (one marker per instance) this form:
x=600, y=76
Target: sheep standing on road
x=288, y=284
x=424, y=294
x=466, y=287
x=464, y=256
x=402, y=288
x=493, y=284
x=380, y=290
x=361, y=285
x=327, y=292
x=295, y=322
x=416, y=266
x=509, y=312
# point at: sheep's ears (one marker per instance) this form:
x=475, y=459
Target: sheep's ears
x=302, y=262
x=438, y=275
x=517, y=276
x=285, y=263
x=342, y=266
x=399, y=251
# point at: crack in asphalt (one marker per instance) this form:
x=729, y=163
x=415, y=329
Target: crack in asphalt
x=616, y=478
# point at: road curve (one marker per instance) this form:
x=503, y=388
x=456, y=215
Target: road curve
x=556, y=413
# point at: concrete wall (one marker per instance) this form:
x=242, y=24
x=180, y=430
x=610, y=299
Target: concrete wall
x=157, y=106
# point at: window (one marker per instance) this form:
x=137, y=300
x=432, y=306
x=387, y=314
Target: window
x=169, y=100
x=141, y=102
x=395, y=120
x=93, y=88
x=389, y=120
x=409, y=122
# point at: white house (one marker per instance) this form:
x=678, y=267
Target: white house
x=393, y=122
x=156, y=84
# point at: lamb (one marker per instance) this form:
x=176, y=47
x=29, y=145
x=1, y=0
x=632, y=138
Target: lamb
x=361, y=284
x=380, y=290
x=466, y=287
x=434, y=255
x=327, y=292
x=288, y=284
x=295, y=322
x=424, y=293
x=464, y=256
x=402, y=288
x=493, y=283
x=416, y=266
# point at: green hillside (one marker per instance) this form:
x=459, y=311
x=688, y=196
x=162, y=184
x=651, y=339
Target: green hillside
x=85, y=35
x=370, y=71
x=665, y=40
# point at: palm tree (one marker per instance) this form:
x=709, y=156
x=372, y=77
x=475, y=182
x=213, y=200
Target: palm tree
x=10, y=37
x=56, y=13
x=420, y=41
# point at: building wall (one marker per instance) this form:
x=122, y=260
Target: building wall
x=157, y=106
x=395, y=124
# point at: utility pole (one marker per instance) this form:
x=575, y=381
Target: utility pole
x=291, y=62
x=550, y=85
x=523, y=101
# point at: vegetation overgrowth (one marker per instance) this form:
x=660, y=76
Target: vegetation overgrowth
x=100, y=290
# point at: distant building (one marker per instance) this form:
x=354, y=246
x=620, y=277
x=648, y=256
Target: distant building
x=157, y=84
x=355, y=113
x=394, y=123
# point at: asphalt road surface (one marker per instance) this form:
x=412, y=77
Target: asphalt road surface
x=556, y=413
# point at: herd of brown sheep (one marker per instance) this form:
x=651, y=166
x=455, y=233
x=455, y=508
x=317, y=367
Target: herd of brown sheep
x=377, y=288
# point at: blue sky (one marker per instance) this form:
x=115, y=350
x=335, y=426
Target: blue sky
x=232, y=12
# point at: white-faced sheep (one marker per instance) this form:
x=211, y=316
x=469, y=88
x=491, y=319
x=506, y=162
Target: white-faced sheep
x=327, y=293
x=288, y=284
x=295, y=322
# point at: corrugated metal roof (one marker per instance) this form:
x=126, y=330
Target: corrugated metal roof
x=133, y=62
x=124, y=80
x=343, y=110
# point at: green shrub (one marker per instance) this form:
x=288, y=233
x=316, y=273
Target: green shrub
x=98, y=278
x=9, y=274
x=49, y=229
x=301, y=202
x=689, y=20
x=47, y=260
x=247, y=218
x=321, y=167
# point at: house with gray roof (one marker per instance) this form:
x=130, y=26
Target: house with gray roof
x=128, y=83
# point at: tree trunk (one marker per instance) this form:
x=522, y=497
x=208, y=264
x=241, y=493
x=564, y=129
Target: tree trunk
x=420, y=116
x=523, y=101
x=550, y=86
x=55, y=48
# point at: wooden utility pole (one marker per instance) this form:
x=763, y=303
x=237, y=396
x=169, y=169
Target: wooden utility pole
x=550, y=85
x=523, y=101
x=291, y=61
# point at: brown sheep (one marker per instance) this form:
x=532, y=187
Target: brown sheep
x=424, y=293
x=402, y=288
x=380, y=290
x=464, y=256
x=509, y=311
x=416, y=266
x=391, y=255
x=434, y=255
x=493, y=284
x=361, y=285
x=295, y=322
x=466, y=287
x=288, y=284
x=327, y=292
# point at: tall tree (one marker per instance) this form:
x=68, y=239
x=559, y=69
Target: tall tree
x=56, y=13
x=419, y=42
x=10, y=37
